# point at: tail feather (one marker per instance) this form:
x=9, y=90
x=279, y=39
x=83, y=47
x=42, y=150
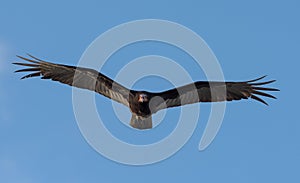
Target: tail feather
x=141, y=122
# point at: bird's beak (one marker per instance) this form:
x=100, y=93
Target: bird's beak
x=142, y=98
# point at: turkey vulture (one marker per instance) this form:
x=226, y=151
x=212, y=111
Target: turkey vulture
x=143, y=104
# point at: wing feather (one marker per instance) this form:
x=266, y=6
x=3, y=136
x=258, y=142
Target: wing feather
x=76, y=76
x=204, y=91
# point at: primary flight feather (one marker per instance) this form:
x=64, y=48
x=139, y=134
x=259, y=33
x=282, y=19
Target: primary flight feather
x=143, y=104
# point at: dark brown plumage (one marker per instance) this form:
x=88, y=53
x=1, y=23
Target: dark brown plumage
x=142, y=103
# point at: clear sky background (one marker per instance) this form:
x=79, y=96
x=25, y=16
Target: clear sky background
x=39, y=137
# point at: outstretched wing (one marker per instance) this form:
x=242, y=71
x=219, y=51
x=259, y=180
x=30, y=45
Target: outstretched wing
x=76, y=76
x=203, y=91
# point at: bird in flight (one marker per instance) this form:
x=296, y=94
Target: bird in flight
x=143, y=104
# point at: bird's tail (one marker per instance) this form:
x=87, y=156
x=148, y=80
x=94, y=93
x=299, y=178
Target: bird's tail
x=140, y=122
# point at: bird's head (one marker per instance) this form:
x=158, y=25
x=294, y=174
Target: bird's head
x=143, y=98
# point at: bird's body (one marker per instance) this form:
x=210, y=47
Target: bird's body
x=143, y=104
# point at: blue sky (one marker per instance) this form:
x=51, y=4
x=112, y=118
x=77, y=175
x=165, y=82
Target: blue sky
x=39, y=137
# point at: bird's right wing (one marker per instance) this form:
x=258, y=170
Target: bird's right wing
x=76, y=76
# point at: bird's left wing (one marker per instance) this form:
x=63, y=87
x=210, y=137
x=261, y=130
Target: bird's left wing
x=204, y=91
x=76, y=76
